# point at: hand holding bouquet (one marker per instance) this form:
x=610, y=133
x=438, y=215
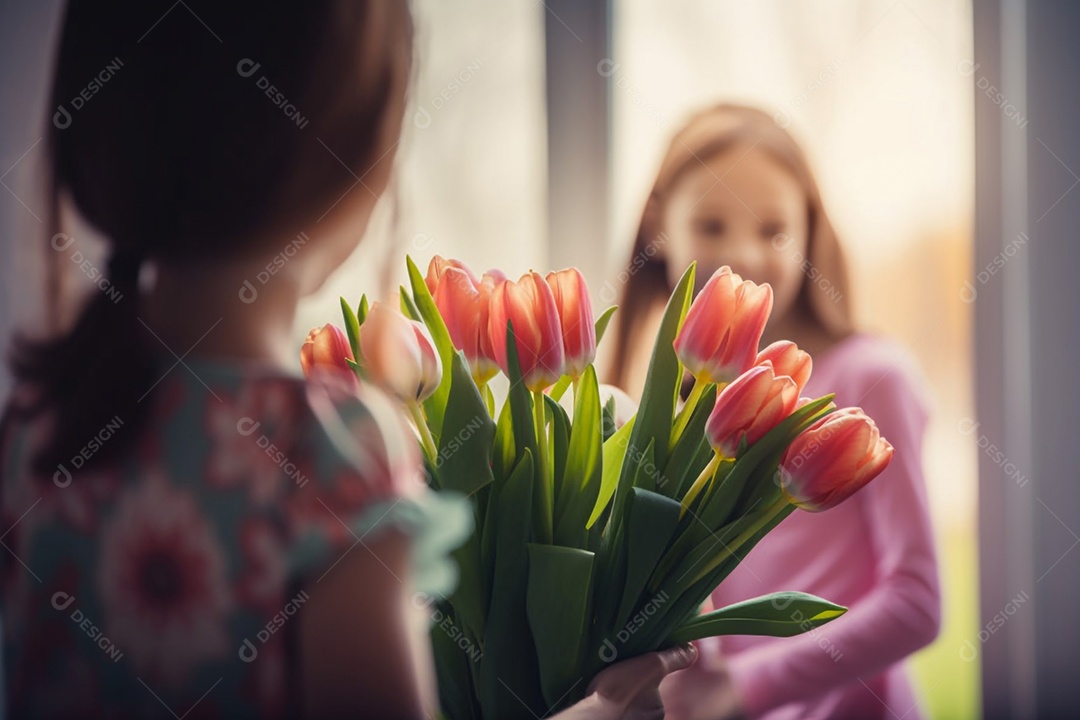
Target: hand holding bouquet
x=596, y=541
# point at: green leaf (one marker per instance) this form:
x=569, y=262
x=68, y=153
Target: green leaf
x=362, y=309
x=682, y=466
x=434, y=406
x=688, y=601
x=651, y=521
x=602, y=322
x=614, y=557
x=609, y=418
x=408, y=307
x=560, y=589
x=352, y=327
x=457, y=696
x=583, y=473
x=560, y=387
x=781, y=614
x=489, y=398
x=468, y=597
x=560, y=441
x=521, y=414
x=464, y=459
x=504, y=454
x=509, y=676
x=655, y=414
x=614, y=450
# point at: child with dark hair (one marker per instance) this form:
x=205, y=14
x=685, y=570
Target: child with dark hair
x=188, y=522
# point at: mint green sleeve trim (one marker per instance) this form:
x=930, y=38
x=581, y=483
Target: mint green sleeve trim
x=436, y=522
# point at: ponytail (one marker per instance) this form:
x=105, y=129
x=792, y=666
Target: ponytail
x=96, y=375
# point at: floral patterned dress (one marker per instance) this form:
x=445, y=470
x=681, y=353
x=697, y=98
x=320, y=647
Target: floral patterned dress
x=168, y=584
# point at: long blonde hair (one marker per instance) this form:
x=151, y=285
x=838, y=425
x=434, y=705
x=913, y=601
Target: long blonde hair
x=708, y=133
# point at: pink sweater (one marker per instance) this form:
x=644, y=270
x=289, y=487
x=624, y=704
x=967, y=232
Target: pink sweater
x=873, y=553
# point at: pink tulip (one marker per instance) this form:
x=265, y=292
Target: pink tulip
x=399, y=354
x=834, y=457
x=438, y=267
x=787, y=359
x=326, y=348
x=465, y=306
x=719, y=340
x=750, y=407
x=530, y=306
x=576, y=317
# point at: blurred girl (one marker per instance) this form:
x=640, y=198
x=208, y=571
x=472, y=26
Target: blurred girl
x=734, y=189
x=188, y=526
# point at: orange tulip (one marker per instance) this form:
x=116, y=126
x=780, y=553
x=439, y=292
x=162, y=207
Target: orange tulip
x=530, y=306
x=749, y=407
x=719, y=340
x=465, y=307
x=438, y=267
x=399, y=354
x=576, y=318
x=830, y=460
x=326, y=348
x=787, y=359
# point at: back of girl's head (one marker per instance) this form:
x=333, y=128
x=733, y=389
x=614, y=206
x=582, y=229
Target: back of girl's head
x=708, y=133
x=184, y=132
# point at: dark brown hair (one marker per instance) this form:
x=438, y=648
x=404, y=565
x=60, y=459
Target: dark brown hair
x=185, y=152
x=708, y=133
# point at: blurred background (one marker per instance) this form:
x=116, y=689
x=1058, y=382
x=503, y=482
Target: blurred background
x=941, y=134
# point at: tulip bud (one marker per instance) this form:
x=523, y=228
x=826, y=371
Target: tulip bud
x=787, y=359
x=399, y=354
x=464, y=306
x=326, y=348
x=438, y=267
x=719, y=339
x=830, y=460
x=752, y=405
x=530, y=306
x=576, y=318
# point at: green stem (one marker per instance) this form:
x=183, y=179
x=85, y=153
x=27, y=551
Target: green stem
x=426, y=439
x=767, y=516
x=544, y=467
x=683, y=417
x=702, y=479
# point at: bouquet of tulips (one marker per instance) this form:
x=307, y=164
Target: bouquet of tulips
x=594, y=541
